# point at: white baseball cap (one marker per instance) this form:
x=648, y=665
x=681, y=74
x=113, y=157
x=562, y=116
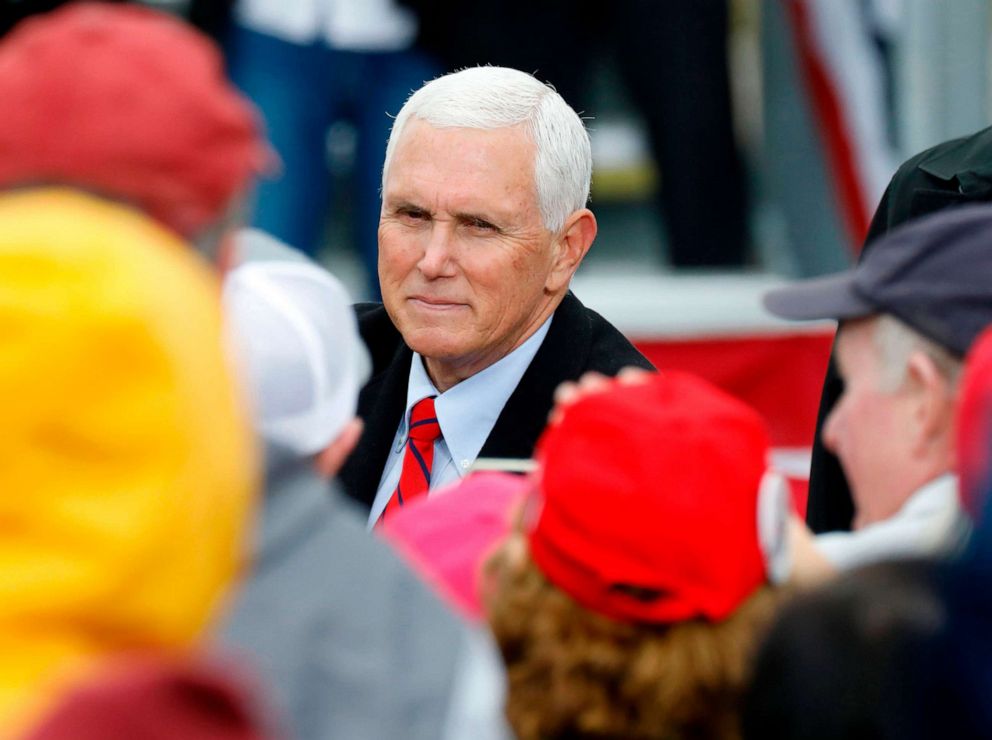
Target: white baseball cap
x=296, y=336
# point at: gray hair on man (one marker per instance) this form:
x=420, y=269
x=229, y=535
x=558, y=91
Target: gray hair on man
x=896, y=342
x=498, y=97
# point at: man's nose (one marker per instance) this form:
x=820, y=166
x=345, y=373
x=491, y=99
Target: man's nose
x=438, y=258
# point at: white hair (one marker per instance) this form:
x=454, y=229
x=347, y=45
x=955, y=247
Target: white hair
x=498, y=97
x=895, y=342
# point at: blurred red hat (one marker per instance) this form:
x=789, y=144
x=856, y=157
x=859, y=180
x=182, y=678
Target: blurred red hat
x=650, y=510
x=129, y=103
x=155, y=698
x=974, y=429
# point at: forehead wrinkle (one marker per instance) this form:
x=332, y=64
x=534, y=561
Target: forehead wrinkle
x=464, y=204
x=479, y=180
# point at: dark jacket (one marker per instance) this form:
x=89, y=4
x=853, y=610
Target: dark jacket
x=956, y=172
x=579, y=340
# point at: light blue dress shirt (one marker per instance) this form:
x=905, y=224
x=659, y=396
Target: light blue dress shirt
x=466, y=414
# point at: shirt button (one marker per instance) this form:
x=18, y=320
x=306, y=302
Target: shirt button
x=466, y=464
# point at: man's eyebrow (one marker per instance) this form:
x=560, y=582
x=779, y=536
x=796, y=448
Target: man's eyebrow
x=401, y=204
x=469, y=218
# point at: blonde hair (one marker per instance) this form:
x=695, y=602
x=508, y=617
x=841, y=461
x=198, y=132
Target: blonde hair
x=573, y=673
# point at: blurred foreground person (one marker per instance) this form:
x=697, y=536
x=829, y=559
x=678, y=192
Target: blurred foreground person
x=848, y=660
x=351, y=644
x=628, y=605
x=960, y=674
x=447, y=538
x=899, y=650
x=974, y=430
x=132, y=105
x=127, y=464
x=909, y=312
x=153, y=698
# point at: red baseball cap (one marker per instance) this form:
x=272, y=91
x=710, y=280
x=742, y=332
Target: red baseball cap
x=129, y=103
x=650, y=501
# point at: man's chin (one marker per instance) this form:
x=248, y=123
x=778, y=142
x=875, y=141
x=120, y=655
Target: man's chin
x=435, y=343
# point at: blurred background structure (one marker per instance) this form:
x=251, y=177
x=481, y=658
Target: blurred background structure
x=818, y=101
x=736, y=143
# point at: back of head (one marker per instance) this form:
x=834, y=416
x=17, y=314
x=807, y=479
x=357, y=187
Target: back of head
x=127, y=461
x=128, y=103
x=633, y=606
x=499, y=97
x=650, y=501
x=297, y=337
x=845, y=660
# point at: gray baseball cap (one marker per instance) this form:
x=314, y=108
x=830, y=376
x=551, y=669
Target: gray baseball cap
x=934, y=274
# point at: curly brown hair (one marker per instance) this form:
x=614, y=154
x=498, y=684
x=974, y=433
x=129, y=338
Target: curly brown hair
x=576, y=674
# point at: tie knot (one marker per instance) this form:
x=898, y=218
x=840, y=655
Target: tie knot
x=423, y=421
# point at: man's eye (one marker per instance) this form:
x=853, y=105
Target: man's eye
x=478, y=223
x=414, y=214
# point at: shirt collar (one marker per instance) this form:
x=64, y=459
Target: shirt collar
x=468, y=411
x=939, y=493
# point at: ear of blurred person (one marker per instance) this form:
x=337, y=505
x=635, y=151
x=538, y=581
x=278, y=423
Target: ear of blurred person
x=128, y=464
x=349, y=642
x=131, y=104
x=628, y=602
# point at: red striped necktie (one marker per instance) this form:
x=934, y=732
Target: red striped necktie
x=418, y=458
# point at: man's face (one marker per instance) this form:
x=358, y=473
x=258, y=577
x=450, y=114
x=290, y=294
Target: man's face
x=870, y=428
x=465, y=262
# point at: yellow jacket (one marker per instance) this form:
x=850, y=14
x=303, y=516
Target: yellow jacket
x=126, y=463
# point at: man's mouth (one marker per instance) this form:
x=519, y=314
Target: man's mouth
x=435, y=304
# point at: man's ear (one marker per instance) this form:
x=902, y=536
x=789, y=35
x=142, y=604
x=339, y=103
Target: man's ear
x=570, y=247
x=932, y=399
x=330, y=459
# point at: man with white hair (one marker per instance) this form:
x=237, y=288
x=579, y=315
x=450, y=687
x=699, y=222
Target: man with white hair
x=483, y=224
x=909, y=312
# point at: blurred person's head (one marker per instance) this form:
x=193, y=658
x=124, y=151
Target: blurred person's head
x=484, y=217
x=892, y=427
x=154, y=697
x=848, y=660
x=628, y=605
x=909, y=312
x=132, y=105
x=128, y=465
x=448, y=537
x=974, y=429
x=297, y=337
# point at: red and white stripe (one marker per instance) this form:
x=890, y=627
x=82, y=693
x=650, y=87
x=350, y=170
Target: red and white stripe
x=846, y=85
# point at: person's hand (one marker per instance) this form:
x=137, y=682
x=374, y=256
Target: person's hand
x=592, y=382
x=809, y=567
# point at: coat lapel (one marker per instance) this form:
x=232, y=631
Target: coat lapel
x=563, y=356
